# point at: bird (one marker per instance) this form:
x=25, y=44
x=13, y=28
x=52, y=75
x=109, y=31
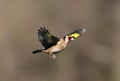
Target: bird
x=52, y=44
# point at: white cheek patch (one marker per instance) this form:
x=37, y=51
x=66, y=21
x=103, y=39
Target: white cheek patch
x=66, y=40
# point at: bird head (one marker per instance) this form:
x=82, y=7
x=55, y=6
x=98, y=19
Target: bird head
x=68, y=38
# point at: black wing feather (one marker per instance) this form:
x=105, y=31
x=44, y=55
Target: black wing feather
x=46, y=38
x=80, y=31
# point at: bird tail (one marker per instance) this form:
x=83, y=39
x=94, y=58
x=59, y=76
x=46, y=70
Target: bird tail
x=37, y=51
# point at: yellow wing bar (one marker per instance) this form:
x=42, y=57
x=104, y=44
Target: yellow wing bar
x=75, y=35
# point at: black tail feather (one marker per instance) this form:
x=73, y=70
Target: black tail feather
x=37, y=51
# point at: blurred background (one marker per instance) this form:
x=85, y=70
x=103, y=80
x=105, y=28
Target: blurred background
x=93, y=57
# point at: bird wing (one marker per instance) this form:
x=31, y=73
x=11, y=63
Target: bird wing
x=46, y=38
x=77, y=33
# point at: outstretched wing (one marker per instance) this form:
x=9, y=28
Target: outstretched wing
x=77, y=33
x=46, y=38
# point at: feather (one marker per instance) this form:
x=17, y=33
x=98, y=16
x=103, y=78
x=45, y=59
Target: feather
x=46, y=38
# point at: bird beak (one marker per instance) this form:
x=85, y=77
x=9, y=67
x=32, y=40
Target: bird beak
x=72, y=38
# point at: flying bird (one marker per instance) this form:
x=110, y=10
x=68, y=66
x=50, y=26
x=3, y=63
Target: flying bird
x=53, y=44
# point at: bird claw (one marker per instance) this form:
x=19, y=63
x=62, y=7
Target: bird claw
x=53, y=56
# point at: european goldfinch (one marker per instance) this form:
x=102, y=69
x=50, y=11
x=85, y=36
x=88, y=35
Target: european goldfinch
x=52, y=44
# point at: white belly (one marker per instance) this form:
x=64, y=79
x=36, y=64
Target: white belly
x=56, y=50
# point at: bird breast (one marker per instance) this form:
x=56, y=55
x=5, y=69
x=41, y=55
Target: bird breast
x=57, y=48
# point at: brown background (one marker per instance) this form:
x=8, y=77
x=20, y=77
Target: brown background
x=93, y=57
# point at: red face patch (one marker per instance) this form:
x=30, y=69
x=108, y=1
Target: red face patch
x=69, y=37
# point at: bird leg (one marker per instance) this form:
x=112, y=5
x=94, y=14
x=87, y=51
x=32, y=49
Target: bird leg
x=52, y=56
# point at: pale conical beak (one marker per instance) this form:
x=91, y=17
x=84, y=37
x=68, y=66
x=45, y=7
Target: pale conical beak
x=72, y=38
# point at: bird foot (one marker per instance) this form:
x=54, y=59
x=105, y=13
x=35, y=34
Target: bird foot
x=53, y=56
